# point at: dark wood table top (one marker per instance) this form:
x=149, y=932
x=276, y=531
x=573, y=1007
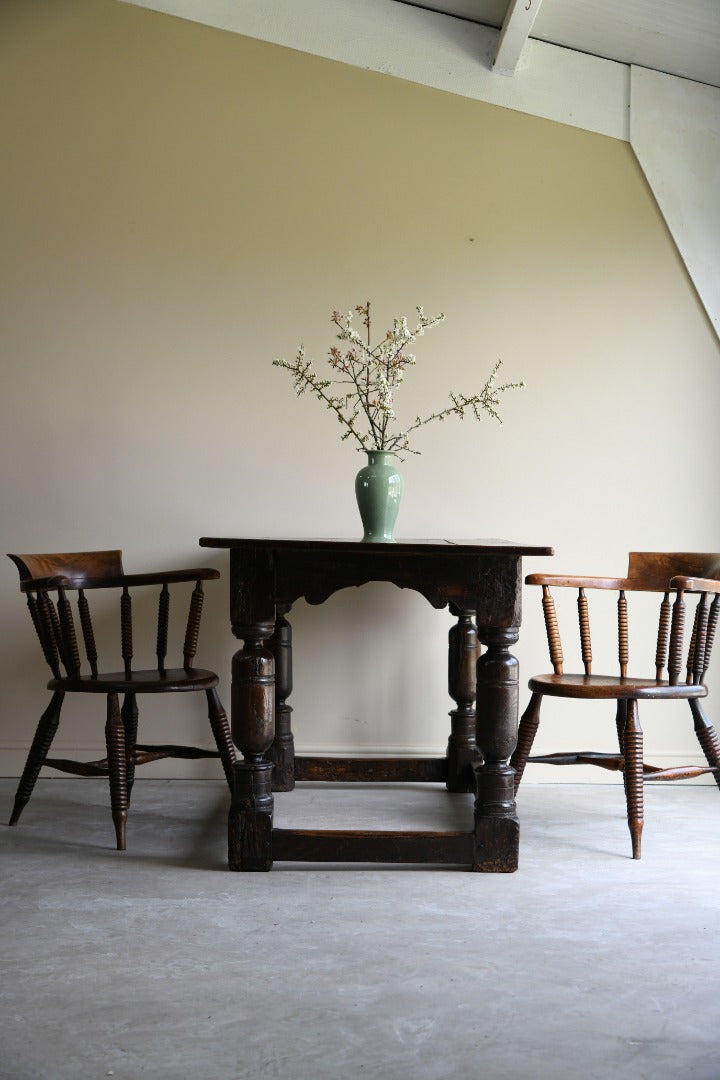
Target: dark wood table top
x=467, y=547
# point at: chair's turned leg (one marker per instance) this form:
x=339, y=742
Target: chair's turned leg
x=527, y=730
x=129, y=714
x=707, y=737
x=39, y=749
x=620, y=721
x=621, y=715
x=633, y=744
x=117, y=768
x=221, y=732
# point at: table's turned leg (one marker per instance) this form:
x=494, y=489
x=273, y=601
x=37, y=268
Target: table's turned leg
x=282, y=751
x=462, y=752
x=253, y=728
x=496, y=825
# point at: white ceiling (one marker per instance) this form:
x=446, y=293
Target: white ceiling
x=680, y=37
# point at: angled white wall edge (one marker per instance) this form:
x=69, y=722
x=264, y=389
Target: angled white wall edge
x=431, y=49
x=675, y=135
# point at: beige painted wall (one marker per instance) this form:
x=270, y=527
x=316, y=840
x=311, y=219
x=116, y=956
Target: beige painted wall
x=178, y=205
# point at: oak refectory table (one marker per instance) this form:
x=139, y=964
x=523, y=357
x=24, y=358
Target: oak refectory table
x=481, y=582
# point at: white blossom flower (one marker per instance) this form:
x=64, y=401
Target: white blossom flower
x=371, y=374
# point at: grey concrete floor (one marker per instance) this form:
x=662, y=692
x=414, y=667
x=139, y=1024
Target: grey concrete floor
x=159, y=963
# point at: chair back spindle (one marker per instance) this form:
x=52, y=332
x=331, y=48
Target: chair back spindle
x=663, y=638
x=677, y=633
x=162, y=626
x=193, y=624
x=88, y=632
x=68, y=635
x=126, y=635
x=38, y=605
x=623, y=638
x=704, y=627
x=585, y=640
x=695, y=651
x=553, y=631
x=50, y=615
x=711, y=628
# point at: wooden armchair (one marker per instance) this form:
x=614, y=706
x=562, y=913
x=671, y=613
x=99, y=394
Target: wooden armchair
x=48, y=582
x=673, y=576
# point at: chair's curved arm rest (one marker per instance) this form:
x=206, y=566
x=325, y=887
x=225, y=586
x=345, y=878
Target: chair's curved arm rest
x=577, y=581
x=40, y=584
x=695, y=584
x=204, y=573
x=688, y=584
x=162, y=577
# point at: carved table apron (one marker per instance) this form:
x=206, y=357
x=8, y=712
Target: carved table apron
x=481, y=582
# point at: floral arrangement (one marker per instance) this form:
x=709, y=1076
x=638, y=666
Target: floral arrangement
x=371, y=375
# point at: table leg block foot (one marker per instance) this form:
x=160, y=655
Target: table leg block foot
x=497, y=841
x=249, y=840
x=250, y=817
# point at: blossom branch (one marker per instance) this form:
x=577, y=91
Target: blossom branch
x=373, y=374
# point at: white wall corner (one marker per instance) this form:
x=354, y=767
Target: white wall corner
x=675, y=135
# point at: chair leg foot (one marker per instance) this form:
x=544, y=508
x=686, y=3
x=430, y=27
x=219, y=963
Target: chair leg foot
x=636, y=838
x=120, y=823
x=117, y=768
x=129, y=715
x=42, y=741
x=707, y=737
x=633, y=745
x=620, y=721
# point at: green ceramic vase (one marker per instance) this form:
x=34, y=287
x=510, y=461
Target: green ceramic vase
x=378, y=489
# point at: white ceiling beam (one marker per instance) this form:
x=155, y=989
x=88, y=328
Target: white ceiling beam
x=521, y=15
x=452, y=55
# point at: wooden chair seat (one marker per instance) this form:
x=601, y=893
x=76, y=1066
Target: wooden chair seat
x=49, y=582
x=612, y=686
x=173, y=680
x=679, y=671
